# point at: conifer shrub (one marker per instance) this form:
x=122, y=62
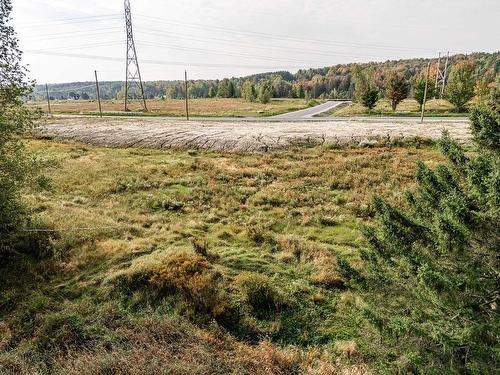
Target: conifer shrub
x=430, y=276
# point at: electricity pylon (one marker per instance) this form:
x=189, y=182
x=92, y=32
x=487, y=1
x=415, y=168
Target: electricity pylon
x=441, y=77
x=133, y=82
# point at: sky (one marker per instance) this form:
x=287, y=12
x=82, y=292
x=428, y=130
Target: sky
x=66, y=40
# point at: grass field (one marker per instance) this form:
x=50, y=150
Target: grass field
x=198, y=107
x=408, y=107
x=172, y=262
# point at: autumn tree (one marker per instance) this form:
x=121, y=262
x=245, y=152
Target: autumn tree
x=460, y=87
x=482, y=89
x=361, y=84
x=248, y=91
x=397, y=89
x=365, y=90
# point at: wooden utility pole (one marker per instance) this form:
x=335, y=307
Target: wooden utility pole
x=425, y=91
x=48, y=98
x=98, y=94
x=186, y=90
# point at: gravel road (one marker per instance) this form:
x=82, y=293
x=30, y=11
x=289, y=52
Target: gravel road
x=237, y=136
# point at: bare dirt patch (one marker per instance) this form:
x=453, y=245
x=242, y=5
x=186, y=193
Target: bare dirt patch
x=238, y=136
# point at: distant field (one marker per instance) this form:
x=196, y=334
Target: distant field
x=176, y=108
x=408, y=107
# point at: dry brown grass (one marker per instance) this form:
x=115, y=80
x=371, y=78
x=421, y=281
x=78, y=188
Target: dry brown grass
x=407, y=106
x=283, y=216
x=198, y=107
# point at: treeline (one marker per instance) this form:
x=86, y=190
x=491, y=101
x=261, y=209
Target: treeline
x=335, y=82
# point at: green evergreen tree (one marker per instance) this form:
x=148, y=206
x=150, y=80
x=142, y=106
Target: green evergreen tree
x=231, y=91
x=397, y=89
x=494, y=96
x=430, y=279
x=370, y=98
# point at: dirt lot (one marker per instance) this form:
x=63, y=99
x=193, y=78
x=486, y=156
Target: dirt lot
x=238, y=136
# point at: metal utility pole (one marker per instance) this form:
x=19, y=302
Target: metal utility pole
x=186, y=90
x=425, y=91
x=133, y=80
x=441, y=77
x=98, y=94
x=445, y=75
x=48, y=98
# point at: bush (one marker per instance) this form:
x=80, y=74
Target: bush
x=485, y=123
x=258, y=291
x=192, y=276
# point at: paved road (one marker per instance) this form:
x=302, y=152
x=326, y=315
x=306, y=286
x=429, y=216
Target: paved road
x=374, y=119
x=238, y=136
x=310, y=112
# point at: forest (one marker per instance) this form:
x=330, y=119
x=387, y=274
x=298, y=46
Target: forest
x=334, y=82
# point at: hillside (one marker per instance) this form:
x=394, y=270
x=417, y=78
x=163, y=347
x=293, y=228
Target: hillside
x=330, y=82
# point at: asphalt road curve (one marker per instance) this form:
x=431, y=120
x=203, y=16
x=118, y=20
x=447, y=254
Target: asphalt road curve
x=310, y=112
x=239, y=136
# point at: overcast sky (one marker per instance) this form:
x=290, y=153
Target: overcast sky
x=219, y=38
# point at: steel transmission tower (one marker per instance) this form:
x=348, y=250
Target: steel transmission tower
x=441, y=77
x=133, y=82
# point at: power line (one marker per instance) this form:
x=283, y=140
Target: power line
x=159, y=62
x=74, y=20
x=222, y=53
x=253, y=45
x=72, y=34
x=85, y=46
x=283, y=37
